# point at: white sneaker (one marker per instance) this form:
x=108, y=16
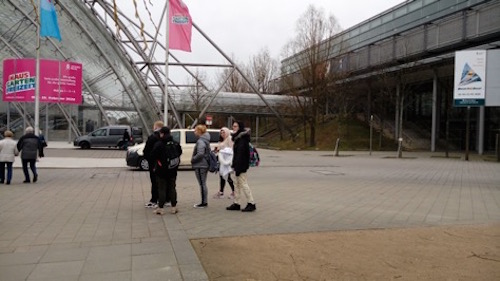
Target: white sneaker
x=150, y=205
x=159, y=211
x=218, y=195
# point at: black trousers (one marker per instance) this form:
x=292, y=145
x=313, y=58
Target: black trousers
x=154, y=185
x=166, y=191
x=32, y=163
x=223, y=183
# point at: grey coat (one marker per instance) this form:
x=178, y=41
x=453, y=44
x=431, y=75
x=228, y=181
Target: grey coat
x=199, y=160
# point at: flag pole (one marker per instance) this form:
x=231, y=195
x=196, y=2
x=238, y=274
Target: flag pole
x=37, y=74
x=165, y=87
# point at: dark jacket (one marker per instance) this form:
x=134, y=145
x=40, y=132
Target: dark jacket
x=159, y=154
x=30, y=146
x=126, y=136
x=43, y=144
x=241, y=150
x=148, y=148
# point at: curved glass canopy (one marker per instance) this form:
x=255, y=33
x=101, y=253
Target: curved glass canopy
x=123, y=62
x=114, y=86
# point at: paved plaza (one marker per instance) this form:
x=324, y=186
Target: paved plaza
x=85, y=218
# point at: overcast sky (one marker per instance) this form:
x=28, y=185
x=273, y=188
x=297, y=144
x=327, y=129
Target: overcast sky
x=242, y=28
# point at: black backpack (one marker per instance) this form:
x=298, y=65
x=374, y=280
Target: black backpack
x=171, y=159
x=173, y=153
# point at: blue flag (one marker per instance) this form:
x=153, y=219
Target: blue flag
x=48, y=20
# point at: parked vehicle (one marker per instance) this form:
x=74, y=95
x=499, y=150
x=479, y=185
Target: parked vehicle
x=109, y=136
x=185, y=137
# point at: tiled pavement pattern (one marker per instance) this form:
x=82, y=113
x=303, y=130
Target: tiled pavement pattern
x=90, y=223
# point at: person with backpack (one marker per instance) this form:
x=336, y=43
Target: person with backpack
x=200, y=162
x=225, y=155
x=166, y=155
x=241, y=163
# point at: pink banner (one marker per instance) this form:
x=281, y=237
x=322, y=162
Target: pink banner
x=60, y=81
x=179, y=27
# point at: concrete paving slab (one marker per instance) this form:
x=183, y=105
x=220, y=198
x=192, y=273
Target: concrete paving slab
x=92, y=216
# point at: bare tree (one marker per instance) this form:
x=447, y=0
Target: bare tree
x=198, y=94
x=308, y=61
x=236, y=83
x=263, y=69
x=398, y=88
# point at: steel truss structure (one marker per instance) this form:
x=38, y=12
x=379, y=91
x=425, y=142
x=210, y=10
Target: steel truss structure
x=122, y=61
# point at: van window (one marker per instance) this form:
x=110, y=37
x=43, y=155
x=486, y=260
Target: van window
x=214, y=136
x=191, y=137
x=137, y=131
x=176, y=136
x=116, y=132
x=99, y=133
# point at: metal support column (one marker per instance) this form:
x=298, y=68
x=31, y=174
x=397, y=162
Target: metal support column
x=480, y=130
x=396, y=119
x=434, y=110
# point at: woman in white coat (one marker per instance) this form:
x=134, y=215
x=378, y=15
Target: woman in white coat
x=225, y=155
x=8, y=153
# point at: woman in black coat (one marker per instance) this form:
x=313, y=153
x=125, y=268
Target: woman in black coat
x=241, y=163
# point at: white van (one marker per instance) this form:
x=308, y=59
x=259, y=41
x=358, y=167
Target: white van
x=185, y=137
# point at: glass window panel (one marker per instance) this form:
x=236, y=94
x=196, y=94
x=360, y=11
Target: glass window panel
x=176, y=136
x=214, y=137
x=414, y=5
x=376, y=22
x=400, y=12
x=387, y=18
x=101, y=132
x=190, y=137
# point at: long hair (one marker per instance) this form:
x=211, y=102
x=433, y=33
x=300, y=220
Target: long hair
x=227, y=142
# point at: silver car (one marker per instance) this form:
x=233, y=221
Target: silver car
x=109, y=136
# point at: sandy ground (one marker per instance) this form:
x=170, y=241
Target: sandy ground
x=427, y=253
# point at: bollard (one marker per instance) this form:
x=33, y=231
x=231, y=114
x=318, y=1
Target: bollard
x=371, y=134
x=337, y=143
x=400, y=148
x=497, y=147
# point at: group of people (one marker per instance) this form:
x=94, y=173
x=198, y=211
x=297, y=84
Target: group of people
x=233, y=154
x=234, y=157
x=30, y=146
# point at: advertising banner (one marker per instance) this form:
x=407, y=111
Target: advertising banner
x=60, y=81
x=470, y=78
